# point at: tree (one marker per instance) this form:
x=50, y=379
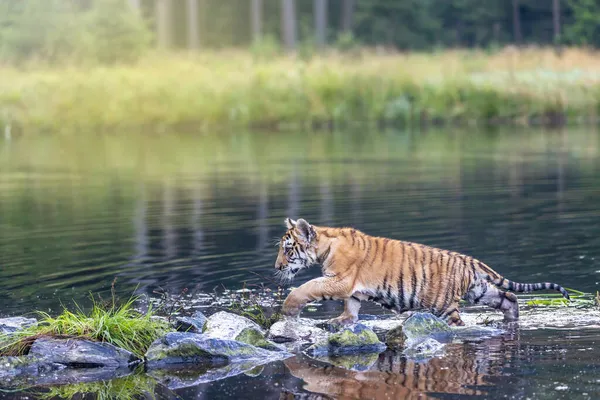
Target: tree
x=288, y=23
x=257, y=9
x=320, y=12
x=585, y=28
x=556, y=19
x=518, y=36
x=193, y=28
x=164, y=31
x=348, y=15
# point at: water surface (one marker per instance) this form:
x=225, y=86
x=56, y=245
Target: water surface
x=198, y=212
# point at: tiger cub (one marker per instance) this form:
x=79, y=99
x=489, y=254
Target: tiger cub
x=399, y=275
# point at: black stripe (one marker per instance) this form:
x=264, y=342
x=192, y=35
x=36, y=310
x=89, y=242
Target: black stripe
x=450, y=293
x=413, y=279
x=511, y=286
x=424, y=275
x=400, y=288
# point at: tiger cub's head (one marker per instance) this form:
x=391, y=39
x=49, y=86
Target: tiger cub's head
x=297, y=249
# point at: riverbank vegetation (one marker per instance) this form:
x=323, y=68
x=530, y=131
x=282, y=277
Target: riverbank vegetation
x=120, y=324
x=237, y=88
x=79, y=65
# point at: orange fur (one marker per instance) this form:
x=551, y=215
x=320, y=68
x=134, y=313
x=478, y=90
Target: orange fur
x=399, y=275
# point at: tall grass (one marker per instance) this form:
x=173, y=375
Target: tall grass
x=117, y=324
x=235, y=88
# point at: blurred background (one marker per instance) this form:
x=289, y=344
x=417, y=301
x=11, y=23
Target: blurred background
x=163, y=142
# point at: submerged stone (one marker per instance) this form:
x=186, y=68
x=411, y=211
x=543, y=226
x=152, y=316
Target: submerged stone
x=13, y=324
x=194, y=324
x=350, y=340
x=395, y=338
x=300, y=330
x=81, y=353
x=224, y=325
x=191, y=348
x=421, y=325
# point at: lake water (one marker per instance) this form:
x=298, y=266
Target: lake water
x=182, y=211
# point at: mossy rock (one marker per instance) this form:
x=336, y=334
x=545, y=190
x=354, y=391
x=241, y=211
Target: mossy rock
x=192, y=348
x=395, y=338
x=256, y=338
x=350, y=340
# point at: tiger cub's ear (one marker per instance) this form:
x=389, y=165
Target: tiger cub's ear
x=290, y=223
x=306, y=232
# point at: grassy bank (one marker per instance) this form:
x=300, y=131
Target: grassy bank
x=118, y=324
x=239, y=89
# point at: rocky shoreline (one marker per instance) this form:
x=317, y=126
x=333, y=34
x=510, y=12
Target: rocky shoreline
x=223, y=345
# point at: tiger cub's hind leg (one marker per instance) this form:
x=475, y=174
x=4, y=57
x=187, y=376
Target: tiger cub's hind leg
x=499, y=300
x=452, y=316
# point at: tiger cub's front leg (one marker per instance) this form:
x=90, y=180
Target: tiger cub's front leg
x=324, y=288
x=350, y=314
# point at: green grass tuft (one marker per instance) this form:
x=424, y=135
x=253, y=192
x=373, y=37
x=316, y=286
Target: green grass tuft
x=120, y=325
x=578, y=299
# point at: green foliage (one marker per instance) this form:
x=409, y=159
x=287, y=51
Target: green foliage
x=115, y=33
x=585, y=28
x=121, y=325
x=63, y=31
x=232, y=89
x=265, y=48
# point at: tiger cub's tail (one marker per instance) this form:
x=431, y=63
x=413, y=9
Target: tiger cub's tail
x=528, y=287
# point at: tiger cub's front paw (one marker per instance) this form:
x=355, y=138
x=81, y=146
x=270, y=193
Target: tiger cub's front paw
x=291, y=309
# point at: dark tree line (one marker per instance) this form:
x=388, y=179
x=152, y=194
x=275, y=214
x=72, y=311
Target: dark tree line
x=403, y=24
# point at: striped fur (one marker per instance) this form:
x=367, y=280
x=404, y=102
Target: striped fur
x=399, y=275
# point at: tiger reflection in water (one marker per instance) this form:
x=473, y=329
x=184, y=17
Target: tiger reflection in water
x=465, y=371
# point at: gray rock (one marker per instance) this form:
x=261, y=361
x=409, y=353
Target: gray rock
x=13, y=324
x=25, y=371
x=194, y=324
x=296, y=330
x=191, y=348
x=421, y=325
x=80, y=353
x=353, y=339
x=224, y=325
x=395, y=338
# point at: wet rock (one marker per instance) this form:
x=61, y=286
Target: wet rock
x=300, y=330
x=80, y=353
x=224, y=325
x=422, y=325
x=13, y=324
x=194, y=324
x=191, y=348
x=395, y=338
x=350, y=340
x=25, y=371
